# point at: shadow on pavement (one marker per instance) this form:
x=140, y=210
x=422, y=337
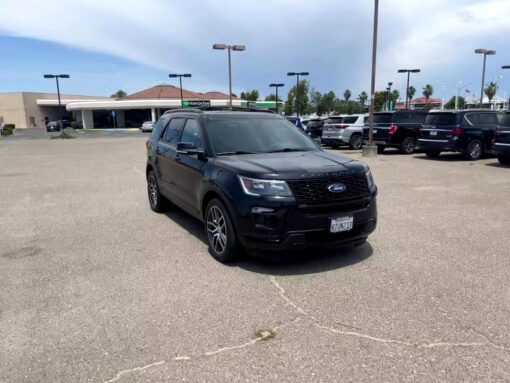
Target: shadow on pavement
x=308, y=261
x=497, y=165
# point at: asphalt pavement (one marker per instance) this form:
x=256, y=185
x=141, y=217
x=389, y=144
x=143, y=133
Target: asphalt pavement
x=95, y=287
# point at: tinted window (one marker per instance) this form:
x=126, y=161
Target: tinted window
x=441, y=119
x=314, y=123
x=409, y=117
x=383, y=117
x=505, y=119
x=488, y=119
x=334, y=120
x=350, y=120
x=191, y=133
x=365, y=119
x=473, y=118
x=257, y=134
x=173, y=131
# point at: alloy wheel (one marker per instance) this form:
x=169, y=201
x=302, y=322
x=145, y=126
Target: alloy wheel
x=475, y=151
x=153, y=191
x=216, y=229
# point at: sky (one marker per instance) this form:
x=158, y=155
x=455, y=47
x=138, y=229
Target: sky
x=106, y=45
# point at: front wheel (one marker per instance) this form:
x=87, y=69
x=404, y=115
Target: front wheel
x=474, y=150
x=356, y=142
x=408, y=145
x=504, y=159
x=222, y=239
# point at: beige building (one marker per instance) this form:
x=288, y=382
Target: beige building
x=34, y=110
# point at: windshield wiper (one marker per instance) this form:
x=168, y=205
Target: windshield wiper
x=289, y=150
x=234, y=153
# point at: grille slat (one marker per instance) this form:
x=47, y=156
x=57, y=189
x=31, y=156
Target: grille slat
x=315, y=190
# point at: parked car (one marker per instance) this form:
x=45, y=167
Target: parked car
x=305, y=122
x=295, y=121
x=396, y=129
x=77, y=124
x=257, y=183
x=469, y=132
x=147, y=126
x=501, y=145
x=56, y=126
x=344, y=130
x=314, y=127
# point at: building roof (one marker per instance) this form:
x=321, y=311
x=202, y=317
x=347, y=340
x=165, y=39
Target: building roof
x=215, y=95
x=164, y=92
x=423, y=100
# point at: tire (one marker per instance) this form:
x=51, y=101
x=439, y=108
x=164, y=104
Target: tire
x=380, y=149
x=408, y=145
x=223, y=244
x=504, y=159
x=474, y=150
x=157, y=202
x=356, y=142
x=432, y=153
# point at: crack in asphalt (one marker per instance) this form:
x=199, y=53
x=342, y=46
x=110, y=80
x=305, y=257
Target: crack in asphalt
x=139, y=368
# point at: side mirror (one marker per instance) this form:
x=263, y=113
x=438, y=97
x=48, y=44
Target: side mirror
x=190, y=149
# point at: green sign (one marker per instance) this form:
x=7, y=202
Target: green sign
x=196, y=104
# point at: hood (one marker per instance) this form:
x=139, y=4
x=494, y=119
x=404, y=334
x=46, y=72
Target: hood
x=293, y=165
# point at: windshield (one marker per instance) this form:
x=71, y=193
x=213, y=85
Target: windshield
x=334, y=120
x=233, y=134
x=441, y=119
x=383, y=117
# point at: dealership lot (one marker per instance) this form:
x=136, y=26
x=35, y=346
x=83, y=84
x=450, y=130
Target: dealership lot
x=94, y=286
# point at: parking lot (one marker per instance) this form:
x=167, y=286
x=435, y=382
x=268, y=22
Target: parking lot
x=95, y=287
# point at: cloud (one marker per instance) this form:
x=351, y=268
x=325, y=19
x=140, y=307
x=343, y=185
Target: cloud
x=331, y=40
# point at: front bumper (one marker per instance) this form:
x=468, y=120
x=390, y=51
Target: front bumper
x=296, y=226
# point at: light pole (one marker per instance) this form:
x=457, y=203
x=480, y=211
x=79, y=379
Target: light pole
x=276, y=86
x=229, y=48
x=297, y=74
x=56, y=77
x=408, y=71
x=484, y=52
x=180, y=82
x=507, y=67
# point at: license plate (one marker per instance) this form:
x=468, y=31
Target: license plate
x=433, y=133
x=341, y=224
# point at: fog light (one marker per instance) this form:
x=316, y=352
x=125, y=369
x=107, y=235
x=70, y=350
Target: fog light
x=261, y=210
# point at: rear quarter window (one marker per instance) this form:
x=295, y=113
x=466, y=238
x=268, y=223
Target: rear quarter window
x=383, y=117
x=471, y=119
x=489, y=119
x=350, y=120
x=505, y=120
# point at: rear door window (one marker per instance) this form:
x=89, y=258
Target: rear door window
x=350, y=120
x=173, y=131
x=505, y=120
x=472, y=119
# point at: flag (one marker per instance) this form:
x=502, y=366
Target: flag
x=468, y=91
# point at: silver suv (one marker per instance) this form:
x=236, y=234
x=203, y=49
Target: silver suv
x=344, y=130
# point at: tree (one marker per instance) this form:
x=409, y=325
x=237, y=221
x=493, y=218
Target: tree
x=411, y=92
x=490, y=90
x=347, y=94
x=301, y=102
x=395, y=94
x=363, y=96
x=250, y=95
x=451, y=103
x=119, y=94
x=380, y=99
x=427, y=92
x=272, y=97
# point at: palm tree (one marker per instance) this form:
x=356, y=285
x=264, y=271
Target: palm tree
x=427, y=92
x=490, y=91
x=411, y=93
x=363, y=96
x=347, y=95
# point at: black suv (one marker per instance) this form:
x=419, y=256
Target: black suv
x=501, y=145
x=398, y=129
x=257, y=182
x=468, y=131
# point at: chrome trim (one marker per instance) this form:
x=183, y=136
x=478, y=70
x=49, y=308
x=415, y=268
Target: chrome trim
x=502, y=144
x=424, y=139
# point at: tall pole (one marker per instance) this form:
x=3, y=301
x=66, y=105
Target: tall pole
x=277, y=110
x=180, y=84
x=229, y=76
x=407, y=90
x=297, y=94
x=483, y=79
x=372, y=84
x=59, y=105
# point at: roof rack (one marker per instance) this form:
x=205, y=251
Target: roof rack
x=219, y=108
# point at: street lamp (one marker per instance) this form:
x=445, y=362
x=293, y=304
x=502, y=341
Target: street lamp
x=408, y=71
x=56, y=77
x=229, y=48
x=483, y=52
x=297, y=74
x=276, y=86
x=180, y=81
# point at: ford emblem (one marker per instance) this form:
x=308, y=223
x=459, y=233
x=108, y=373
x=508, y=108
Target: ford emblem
x=337, y=188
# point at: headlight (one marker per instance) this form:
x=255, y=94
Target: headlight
x=257, y=187
x=370, y=180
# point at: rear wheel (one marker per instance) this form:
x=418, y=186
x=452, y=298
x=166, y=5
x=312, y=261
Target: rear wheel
x=222, y=239
x=504, y=159
x=380, y=149
x=157, y=202
x=356, y=142
x=474, y=150
x=408, y=145
x=432, y=153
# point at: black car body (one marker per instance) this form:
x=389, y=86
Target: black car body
x=501, y=144
x=57, y=126
x=397, y=129
x=469, y=131
x=314, y=127
x=274, y=188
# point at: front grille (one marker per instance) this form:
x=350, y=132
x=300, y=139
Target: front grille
x=315, y=190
